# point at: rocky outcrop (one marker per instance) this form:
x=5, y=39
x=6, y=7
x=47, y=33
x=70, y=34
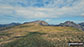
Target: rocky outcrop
x=38, y=22
x=71, y=24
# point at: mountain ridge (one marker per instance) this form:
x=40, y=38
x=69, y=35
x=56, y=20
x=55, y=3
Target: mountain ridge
x=65, y=24
x=37, y=22
x=72, y=24
x=9, y=25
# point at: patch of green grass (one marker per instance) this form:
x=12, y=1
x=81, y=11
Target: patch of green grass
x=4, y=34
x=33, y=39
x=36, y=39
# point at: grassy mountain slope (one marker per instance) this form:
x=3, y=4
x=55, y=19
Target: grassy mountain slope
x=36, y=35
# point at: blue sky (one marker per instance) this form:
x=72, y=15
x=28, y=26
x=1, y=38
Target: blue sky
x=51, y=11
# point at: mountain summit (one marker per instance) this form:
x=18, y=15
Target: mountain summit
x=71, y=24
x=37, y=22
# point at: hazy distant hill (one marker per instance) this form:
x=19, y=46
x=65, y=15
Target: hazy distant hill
x=35, y=34
x=8, y=25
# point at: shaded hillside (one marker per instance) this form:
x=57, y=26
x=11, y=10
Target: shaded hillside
x=36, y=35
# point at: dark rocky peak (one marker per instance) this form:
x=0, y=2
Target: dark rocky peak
x=71, y=24
x=82, y=24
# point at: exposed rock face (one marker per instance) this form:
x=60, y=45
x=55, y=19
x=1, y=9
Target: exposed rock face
x=71, y=24
x=38, y=22
x=41, y=22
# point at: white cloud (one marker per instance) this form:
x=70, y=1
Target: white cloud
x=48, y=20
x=32, y=12
x=82, y=14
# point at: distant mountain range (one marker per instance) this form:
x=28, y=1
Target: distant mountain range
x=65, y=24
x=9, y=25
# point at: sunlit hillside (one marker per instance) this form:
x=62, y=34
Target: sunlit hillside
x=36, y=35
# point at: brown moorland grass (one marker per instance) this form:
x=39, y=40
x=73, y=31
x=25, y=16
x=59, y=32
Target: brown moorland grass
x=30, y=35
